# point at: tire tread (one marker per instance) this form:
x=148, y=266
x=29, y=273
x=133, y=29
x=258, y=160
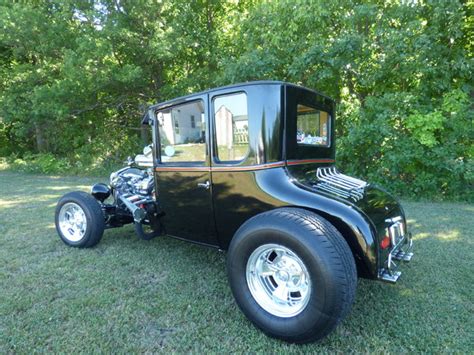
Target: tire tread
x=335, y=249
x=92, y=208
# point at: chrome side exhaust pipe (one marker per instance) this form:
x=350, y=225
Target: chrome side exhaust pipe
x=137, y=212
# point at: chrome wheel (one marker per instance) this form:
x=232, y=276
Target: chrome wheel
x=278, y=280
x=72, y=221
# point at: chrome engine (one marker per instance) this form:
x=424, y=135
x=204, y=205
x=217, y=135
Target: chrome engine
x=134, y=188
x=132, y=181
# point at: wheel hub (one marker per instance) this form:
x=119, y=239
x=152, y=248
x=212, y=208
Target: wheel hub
x=278, y=280
x=72, y=221
x=283, y=275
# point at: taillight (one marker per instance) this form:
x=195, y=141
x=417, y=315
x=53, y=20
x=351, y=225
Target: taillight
x=385, y=242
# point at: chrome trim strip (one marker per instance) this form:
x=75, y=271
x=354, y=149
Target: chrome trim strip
x=309, y=161
x=219, y=167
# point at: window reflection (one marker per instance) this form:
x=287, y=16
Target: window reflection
x=312, y=127
x=183, y=133
x=232, y=130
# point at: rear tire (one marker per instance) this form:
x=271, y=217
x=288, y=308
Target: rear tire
x=79, y=220
x=292, y=274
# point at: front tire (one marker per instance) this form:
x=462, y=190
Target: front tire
x=79, y=220
x=292, y=274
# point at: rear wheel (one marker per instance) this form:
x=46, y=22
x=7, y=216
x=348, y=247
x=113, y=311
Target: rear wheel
x=278, y=280
x=292, y=274
x=79, y=220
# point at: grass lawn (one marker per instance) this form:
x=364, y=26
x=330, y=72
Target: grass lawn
x=129, y=295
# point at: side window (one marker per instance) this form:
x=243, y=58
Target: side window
x=183, y=133
x=232, y=127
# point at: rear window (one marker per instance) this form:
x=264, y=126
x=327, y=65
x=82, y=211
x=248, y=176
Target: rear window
x=312, y=126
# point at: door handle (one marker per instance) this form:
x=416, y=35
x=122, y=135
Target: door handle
x=205, y=185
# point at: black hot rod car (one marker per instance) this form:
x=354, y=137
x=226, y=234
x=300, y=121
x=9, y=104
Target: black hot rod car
x=250, y=169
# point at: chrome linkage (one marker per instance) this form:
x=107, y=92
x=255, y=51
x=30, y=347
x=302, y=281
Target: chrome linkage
x=401, y=251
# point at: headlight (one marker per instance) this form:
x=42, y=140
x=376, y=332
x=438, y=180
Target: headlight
x=112, y=178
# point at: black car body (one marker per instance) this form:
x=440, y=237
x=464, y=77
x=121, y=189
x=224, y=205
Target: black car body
x=276, y=172
x=250, y=168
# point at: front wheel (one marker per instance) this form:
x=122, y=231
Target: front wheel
x=292, y=274
x=79, y=220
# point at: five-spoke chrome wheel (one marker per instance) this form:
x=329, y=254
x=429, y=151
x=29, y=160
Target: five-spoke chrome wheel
x=278, y=280
x=72, y=221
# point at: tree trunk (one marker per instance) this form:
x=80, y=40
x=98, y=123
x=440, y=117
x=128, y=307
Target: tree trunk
x=144, y=135
x=41, y=142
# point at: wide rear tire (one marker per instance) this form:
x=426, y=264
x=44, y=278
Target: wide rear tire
x=79, y=220
x=292, y=274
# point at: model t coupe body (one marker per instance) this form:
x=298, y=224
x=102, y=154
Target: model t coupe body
x=250, y=169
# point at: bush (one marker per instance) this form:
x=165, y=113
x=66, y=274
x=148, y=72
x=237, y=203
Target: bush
x=412, y=152
x=47, y=163
x=39, y=163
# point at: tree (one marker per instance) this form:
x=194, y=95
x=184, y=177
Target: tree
x=77, y=75
x=392, y=67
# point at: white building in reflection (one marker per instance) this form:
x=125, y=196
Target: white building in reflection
x=184, y=124
x=227, y=125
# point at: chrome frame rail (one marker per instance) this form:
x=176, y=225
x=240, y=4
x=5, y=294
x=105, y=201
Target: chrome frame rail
x=332, y=181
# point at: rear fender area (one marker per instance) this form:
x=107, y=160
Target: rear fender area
x=363, y=251
x=354, y=225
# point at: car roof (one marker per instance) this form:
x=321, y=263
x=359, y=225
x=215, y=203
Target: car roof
x=234, y=86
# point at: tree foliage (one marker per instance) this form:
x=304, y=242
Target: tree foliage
x=76, y=75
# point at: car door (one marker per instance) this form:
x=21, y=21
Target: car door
x=183, y=178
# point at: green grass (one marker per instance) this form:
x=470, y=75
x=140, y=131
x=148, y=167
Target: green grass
x=128, y=295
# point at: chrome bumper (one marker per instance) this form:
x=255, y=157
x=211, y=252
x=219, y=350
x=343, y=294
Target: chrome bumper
x=402, y=251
